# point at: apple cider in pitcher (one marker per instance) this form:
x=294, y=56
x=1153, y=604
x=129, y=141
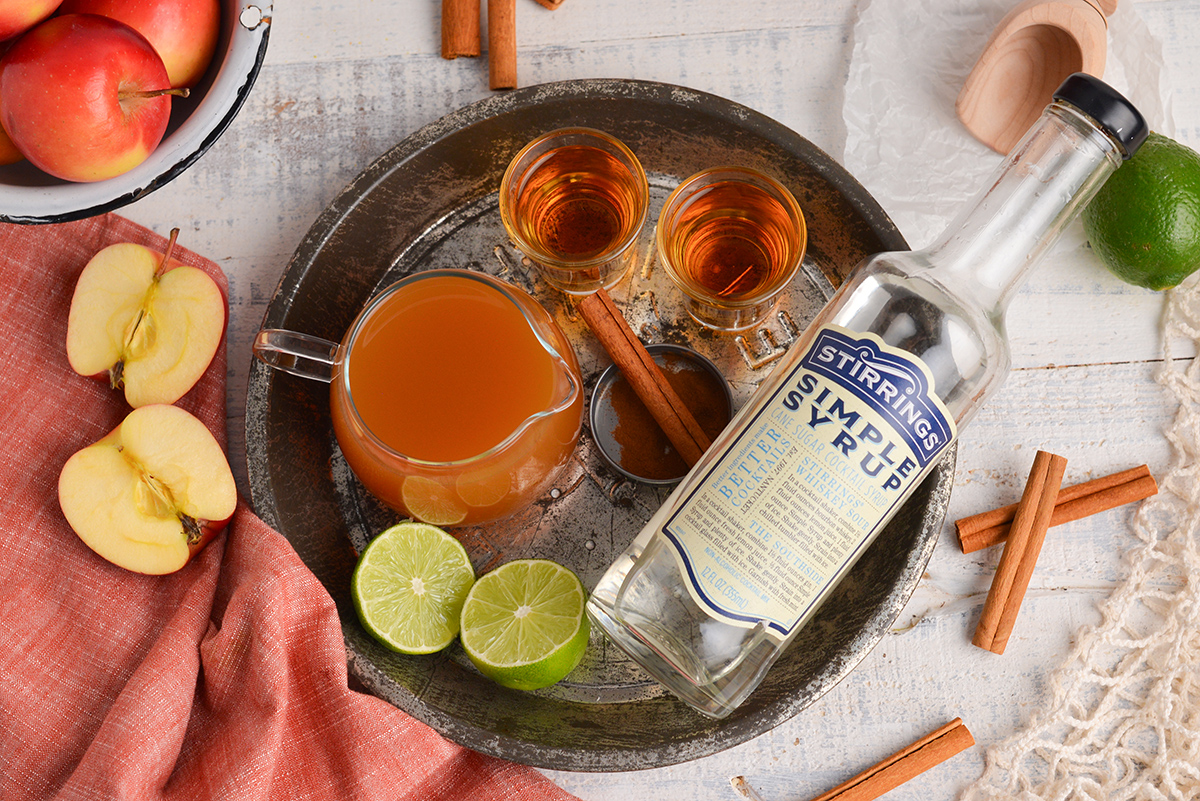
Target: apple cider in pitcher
x=458, y=398
x=448, y=370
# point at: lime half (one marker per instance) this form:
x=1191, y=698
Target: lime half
x=409, y=586
x=523, y=624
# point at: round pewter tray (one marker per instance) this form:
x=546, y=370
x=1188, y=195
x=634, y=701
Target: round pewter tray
x=431, y=201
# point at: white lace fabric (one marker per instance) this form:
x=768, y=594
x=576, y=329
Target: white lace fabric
x=1122, y=721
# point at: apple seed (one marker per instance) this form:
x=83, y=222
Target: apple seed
x=141, y=338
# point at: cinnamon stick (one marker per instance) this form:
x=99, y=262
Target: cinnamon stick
x=460, y=28
x=1075, y=502
x=644, y=375
x=1021, y=551
x=502, y=44
x=907, y=763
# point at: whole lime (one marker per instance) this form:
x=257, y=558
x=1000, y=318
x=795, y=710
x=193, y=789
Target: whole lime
x=1144, y=223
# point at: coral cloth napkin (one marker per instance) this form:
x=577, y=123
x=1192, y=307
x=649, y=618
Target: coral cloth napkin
x=225, y=680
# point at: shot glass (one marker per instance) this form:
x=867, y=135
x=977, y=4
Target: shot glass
x=574, y=202
x=731, y=239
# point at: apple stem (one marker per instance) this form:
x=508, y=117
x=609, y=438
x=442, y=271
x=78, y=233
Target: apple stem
x=191, y=528
x=162, y=266
x=139, y=94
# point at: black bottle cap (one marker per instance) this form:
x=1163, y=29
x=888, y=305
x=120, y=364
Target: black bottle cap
x=1108, y=107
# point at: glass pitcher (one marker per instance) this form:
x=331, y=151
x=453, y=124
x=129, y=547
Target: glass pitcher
x=455, y=397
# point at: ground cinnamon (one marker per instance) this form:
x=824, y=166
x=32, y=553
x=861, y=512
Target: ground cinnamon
x=644, y=449
x=647, y=380
x=502, y=44
x=1021, y=551
x=550, y=4
x=928, y=752
x=460, y=28
x=1081, y=500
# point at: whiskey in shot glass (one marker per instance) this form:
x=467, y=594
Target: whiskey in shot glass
x=574, y=202
x=731, y=239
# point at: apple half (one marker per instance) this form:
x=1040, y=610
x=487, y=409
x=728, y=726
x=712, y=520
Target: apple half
x=144, y=322
x=152, y=493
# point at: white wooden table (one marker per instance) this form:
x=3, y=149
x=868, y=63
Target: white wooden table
x=344, y=80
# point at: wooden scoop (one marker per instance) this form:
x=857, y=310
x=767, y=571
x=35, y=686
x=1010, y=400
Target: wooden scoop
x=1031, y=52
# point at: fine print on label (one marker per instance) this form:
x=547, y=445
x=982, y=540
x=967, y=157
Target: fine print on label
x=810, y=481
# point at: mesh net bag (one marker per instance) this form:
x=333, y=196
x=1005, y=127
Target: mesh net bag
x=1122, y=720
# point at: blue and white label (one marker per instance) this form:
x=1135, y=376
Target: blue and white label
x=811, y=479
x=893, y=383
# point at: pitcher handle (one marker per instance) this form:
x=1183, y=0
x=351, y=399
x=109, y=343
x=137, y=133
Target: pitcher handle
x=298, y=354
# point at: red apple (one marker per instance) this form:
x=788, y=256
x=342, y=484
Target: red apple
x=152, y=493
x=184, y=32
x=8, y=151
x=82, y=97
x=18, y=16
x=144, y=322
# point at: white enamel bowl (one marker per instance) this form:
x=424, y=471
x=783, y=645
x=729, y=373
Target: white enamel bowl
x=28, y=195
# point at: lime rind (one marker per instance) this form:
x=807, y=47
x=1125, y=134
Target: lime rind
x=409, y=587
x=523, y=624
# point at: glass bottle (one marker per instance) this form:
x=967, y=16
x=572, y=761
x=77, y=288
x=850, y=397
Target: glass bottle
x=777, y=511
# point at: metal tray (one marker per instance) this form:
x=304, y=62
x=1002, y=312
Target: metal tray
x=431, y=201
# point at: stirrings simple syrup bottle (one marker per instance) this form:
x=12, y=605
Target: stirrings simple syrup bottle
x=778, y=510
